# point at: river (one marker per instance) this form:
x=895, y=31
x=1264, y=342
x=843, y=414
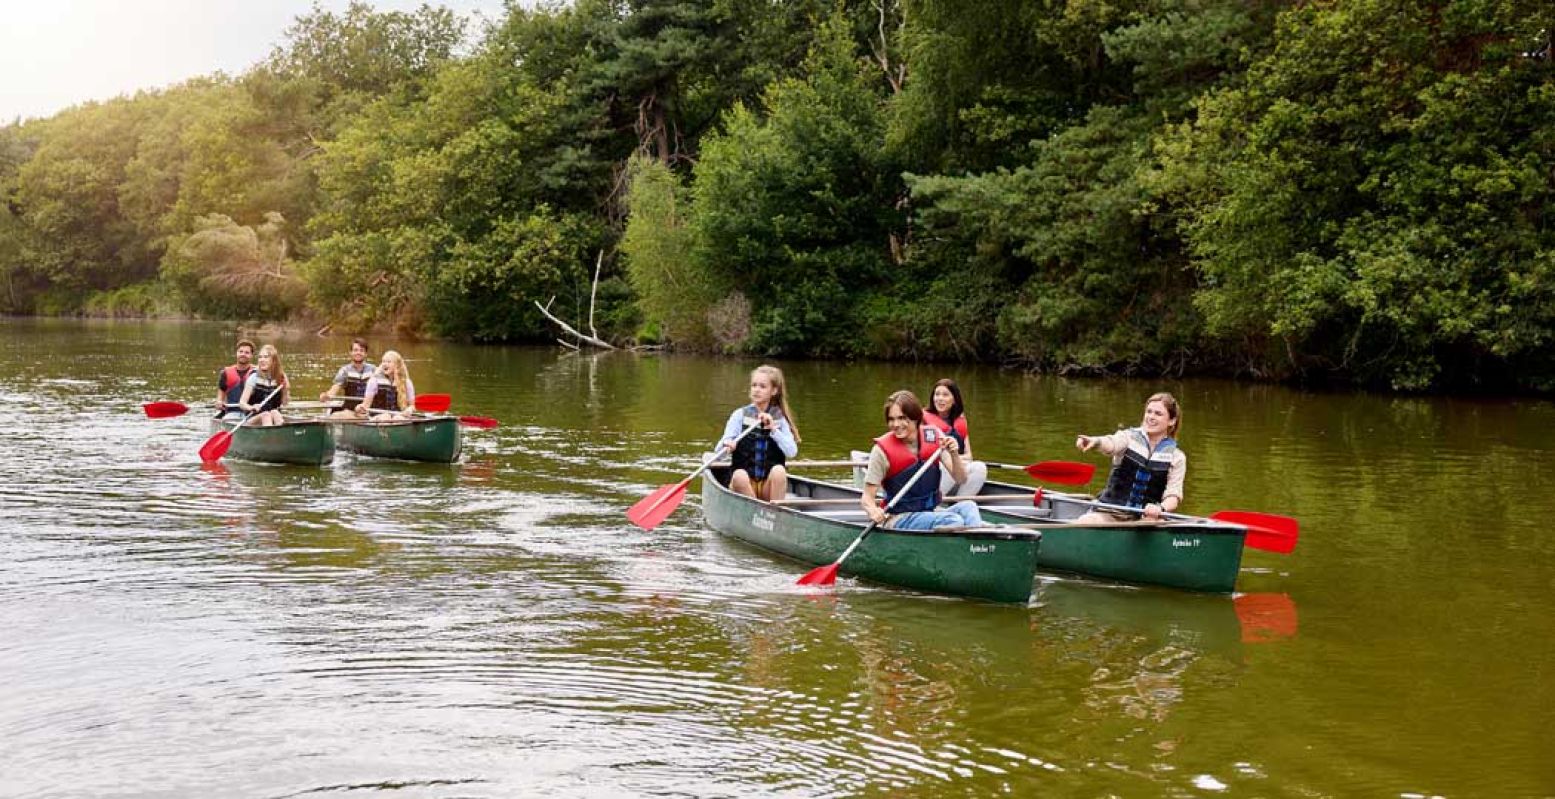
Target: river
x=496, y=627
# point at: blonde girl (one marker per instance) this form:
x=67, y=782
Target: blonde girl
x=390, y=389
x=757, y=459
x=266, y=389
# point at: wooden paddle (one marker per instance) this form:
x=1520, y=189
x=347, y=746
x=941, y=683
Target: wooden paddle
x=657, y=506
x=218, y=444
x=827, y=575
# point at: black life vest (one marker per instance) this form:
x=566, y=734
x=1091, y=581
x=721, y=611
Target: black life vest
x=757, y=452
x=232, y=382
x=386, y=397
x=903, y=463
x=356, y=385
x=266, y=395
x=1140, y=477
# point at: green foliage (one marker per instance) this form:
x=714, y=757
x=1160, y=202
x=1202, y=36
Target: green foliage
x=794, y=210
x=235, y=271
x=1374, y=199
x=674, y=293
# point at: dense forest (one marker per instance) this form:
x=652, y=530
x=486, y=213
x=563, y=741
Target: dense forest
x=1349, y=191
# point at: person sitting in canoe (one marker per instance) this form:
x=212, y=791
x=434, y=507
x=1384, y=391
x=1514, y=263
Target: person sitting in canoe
x=389, y=393
x=1147, y=467
x=757, y=459
x=229, y=382
x=895, y=459
x=947, y=413
x=266, y=390
x=351, y=381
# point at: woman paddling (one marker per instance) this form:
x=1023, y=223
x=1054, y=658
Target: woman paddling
x=947, y=413
x=894, y=460
x=758, y=458
x=389, y=394
x=266, y=390
x=1147, y=467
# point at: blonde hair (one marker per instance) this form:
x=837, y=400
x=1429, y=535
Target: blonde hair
x=276, y=373
x=1172, y=411
x=774, y=376
x=401, y=376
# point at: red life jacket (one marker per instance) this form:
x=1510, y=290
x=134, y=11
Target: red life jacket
x=232, y=383
x=902, y=462
x=959, y=431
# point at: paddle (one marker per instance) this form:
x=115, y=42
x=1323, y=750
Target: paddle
x=826, y=575
x=433, y=403
x=656, y=507
x=164, y=409
x=218, y=444
x=482, y=422
x=1061, y=472
x=1265, y=531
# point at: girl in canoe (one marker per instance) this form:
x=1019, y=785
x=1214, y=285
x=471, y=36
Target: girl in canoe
x=896, y=458
x=758, y=458
x=947, y=413
x=389, y=393
x=1147, y=467
x=266, y=389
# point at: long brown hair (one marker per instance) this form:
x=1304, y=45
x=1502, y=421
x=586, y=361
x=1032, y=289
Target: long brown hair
x=774, y=376
x=276, y=373
x=1172, y=411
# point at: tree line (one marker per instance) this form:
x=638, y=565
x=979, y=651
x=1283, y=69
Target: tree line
x=1346, y=191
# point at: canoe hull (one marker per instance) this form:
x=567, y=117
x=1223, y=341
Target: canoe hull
x=436, y=440
x=992, y=565
x=308, y=443
x=1192, y=557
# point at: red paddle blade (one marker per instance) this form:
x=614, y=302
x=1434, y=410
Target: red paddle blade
x=656, y=507
x=164, y=409
x=483, y=422
x=820, y=575
x=1266, y=617
x=1265, y=531
x=1062, y=472
x=433, y=403
x=216, y=446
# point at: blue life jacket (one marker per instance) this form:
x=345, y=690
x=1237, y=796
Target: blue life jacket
x=757, y=452
x=1140, y=477
x=386, y=397
x=904, y=463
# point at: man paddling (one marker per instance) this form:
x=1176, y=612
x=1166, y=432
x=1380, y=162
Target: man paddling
x=351, y=380
x=229, y=381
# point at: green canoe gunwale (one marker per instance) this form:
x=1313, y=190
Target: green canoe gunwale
x=306, y=442
x=986, y=563
x=435, y=439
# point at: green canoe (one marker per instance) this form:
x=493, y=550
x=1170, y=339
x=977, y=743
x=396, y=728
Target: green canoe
x=307, y=442
x=990, y=563
x=1199, y=555
x=435, y=439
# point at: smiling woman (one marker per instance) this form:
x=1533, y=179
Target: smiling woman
x=1147, y=467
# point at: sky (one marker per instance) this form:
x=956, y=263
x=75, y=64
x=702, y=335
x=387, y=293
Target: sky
x=58, y=53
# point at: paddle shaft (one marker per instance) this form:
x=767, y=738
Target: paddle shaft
x=888, y=506
x=704, y=467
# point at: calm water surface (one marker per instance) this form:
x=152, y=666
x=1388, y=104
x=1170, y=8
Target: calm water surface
x=497, y=628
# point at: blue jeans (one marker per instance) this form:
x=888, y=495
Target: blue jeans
x=961, y=514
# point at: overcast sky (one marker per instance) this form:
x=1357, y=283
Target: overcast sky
x=57, y=53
